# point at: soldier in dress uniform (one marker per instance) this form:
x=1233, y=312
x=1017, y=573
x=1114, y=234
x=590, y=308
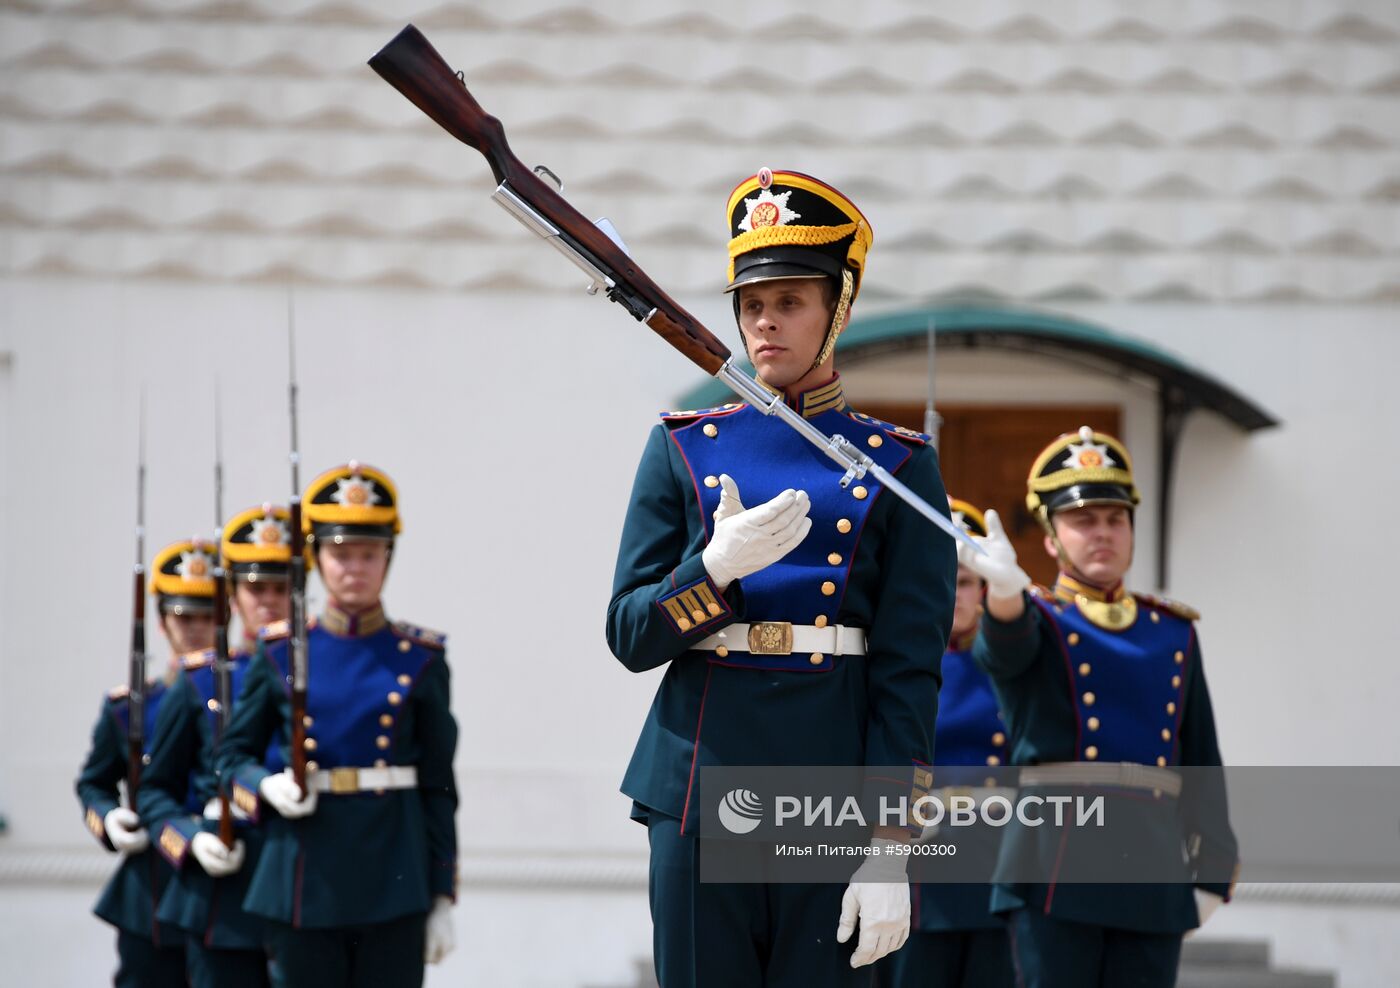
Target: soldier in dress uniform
x=358, y=875
x=799, y=622
x=1101, y=688
x=150, y=953
x=225, y=945
x=956, y=940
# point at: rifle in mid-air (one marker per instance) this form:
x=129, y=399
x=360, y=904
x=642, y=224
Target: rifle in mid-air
x=136, y=669
x=223, y=669
x=296, y=577
x=413, y=66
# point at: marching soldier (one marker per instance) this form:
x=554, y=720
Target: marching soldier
x=357, y=875
x=225, y=945
x=1101, y=688
x=149, y=952
x=799, y=622
x=956, y=941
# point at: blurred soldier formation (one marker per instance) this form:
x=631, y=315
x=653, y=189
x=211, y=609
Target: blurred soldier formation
x=798, y=620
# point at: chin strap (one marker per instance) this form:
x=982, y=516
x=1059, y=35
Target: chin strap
x=838, y=318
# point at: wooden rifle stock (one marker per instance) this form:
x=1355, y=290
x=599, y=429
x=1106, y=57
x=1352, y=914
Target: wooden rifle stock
x=413, y=66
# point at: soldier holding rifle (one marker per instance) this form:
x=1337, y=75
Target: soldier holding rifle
x=213, y=855
x=150, y=953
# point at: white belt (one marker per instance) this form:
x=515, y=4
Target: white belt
x=978, y=794
x=785, y=638
x=341, y=781
x=1128, y=774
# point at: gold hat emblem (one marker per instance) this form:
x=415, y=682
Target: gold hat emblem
x=764, y=214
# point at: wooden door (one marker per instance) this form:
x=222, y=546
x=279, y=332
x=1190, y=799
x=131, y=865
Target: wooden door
x=986, y=452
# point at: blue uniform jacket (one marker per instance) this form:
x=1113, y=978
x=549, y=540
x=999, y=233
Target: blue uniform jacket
x=869, y=562
x=377, y=695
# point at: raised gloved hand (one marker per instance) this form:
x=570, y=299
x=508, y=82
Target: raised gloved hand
x=1206, y=905
x=441, y=937
x=125, y=832
x=748, y=539
x=284, y=796
x=998, y=566
x=214, y=858
x=878, y=897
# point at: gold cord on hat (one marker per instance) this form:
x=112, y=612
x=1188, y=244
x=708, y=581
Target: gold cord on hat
x=838, y=318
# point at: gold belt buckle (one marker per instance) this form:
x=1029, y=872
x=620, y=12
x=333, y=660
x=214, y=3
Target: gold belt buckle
x=345, y=780
x=770, y=638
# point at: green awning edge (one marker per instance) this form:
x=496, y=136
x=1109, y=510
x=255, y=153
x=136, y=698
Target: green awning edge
x=962, y=325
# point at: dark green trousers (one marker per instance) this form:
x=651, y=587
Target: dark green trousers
x=141, y=964
x=950, y=959
x=1056, y=953
x=372, y=956
x=210, y=967
x=707, y=934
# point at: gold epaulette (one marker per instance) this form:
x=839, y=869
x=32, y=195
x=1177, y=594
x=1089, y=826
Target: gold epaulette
x=423, y=636
x=275, y=630
x=694, y=413
x=1184, y=611
x=898, y=431
x=197, y=660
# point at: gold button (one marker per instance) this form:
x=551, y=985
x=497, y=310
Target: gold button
x=819, y=621
x=1084, y=668
x=1074, y=638
x=1093, y=723
x=395, y=698
x=714, y=609
x=817, y=658
x=1155, y=616
x=1162, y=760
x=309, y=744
x=843, y=525
x=1091, y=752
x=698, y=615
x=1176, y=682
x=1171, y=708
x=993, y=760
x=306, y=720
x=875, y=441
x=828, y=588
x=312, y=766
x=722, y=651
x=710, y=430
x=382, y=741
x=834, y=559
x=1180, y=657
x=1088, y=699
x=711, y=481
x=213, y=705
x=1166, y=734
x=386, y=720
x=380, y=763
x=683, y=624
x=405, y=679
x=405, y=644
x=859, y=493
x=998, y=739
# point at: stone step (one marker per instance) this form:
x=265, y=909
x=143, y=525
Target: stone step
x=1224, y=977
x=1225, y=953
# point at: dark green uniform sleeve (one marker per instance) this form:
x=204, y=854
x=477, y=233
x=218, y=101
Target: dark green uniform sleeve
x=257, y=715
x=437, y=785
x=660, y=554
x=178, y=752
x=1006, y=649
x=1205, y=810
x=908, y=632
x=103, y=769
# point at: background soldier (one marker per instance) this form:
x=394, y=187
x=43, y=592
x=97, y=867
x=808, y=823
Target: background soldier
x=737, y=532
x=956, y=941
x=149, y=953
x=358, y=874
x=1090, y=674
x=225, y=945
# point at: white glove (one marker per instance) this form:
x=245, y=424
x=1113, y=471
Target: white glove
x=125, y=832
x=214, y=858
x=1206, y=905
x=748, y=539
x=283, y=795
x=1005, y=578
x=214, y=810
x=879, y=897
x=441, y=938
